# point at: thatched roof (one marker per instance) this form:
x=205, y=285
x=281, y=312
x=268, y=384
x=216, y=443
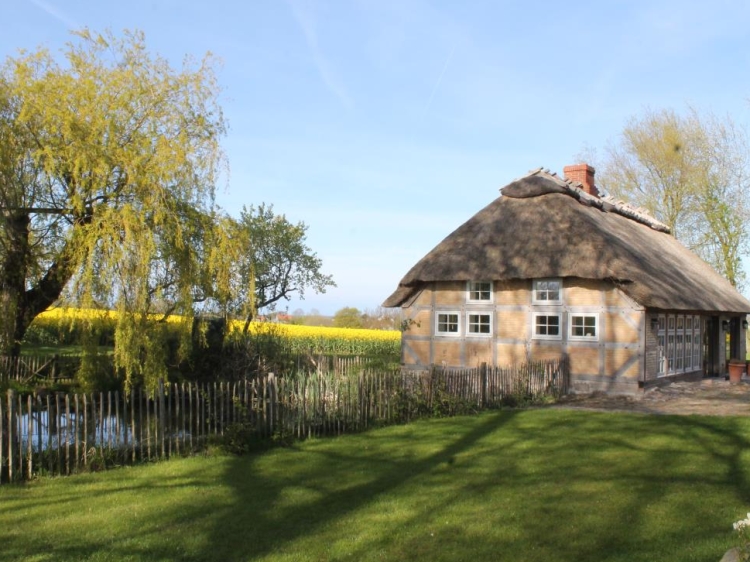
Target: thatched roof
x=543, y=226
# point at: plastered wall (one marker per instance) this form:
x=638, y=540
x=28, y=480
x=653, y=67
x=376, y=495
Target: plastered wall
x=616, y=359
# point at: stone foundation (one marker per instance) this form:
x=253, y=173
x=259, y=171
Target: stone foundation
x=681, y=377
x=587, y=384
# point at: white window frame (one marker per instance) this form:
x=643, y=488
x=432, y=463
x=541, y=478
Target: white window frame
x=455, y=313
x=594, y=315
x=471, y=288
x=690, y=357
x=679, y=342
x=697, y=341
x=534, y=289
x=671, y=353
x=469, y=333
x=662, y=368
x=536, y=336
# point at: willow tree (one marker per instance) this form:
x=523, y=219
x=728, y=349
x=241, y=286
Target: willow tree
x=108, y=161
x=691, y=171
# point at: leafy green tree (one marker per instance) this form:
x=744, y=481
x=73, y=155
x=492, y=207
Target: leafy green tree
x=691, y=171
x=348, y=317
x=108, y=163
x=275, y=263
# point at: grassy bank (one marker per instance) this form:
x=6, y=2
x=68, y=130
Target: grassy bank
x=534, y=485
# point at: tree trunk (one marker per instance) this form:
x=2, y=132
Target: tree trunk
x=248, y=320
x=13, y=280
x=19, y=305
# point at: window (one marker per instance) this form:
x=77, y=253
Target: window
x=679, y=364
x=670, y=353
x=679, y=342
x=584, y=326
x=679, y=351
x=547, y=291
x=661, y=367
x=480, y=290
x=697, y=343
x=447, y=323
x=480, y=324
x=547, y=326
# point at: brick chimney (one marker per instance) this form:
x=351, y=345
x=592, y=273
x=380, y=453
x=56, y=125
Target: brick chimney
x=584, y=174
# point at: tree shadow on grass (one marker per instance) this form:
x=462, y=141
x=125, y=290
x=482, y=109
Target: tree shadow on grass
x=279, y=514
x=252, y=511
x=682, y=478
x=632, y=476
x=511, y=485
x=270, y=521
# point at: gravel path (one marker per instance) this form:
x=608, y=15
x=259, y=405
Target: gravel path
x=712, y=397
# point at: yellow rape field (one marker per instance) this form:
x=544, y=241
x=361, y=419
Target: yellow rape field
x=66, y=314
x=319, y=339
x=296, y=331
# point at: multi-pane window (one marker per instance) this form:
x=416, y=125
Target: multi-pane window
x=670, y=351
x=696, y=342
x=480, y=290
x=447, y=323
x=480, y=324
x=547, y=291
x=584, y=326
x=661, y=368
x=679, y=345
x=679, y=340
x=547, y=326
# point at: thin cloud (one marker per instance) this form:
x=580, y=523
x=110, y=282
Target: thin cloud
x=325, y=69
x=440, y=78
x=60, y=16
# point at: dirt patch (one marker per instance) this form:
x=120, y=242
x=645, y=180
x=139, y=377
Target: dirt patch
x=711, y=397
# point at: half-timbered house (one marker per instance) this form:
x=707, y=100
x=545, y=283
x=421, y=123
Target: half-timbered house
x=551, y=269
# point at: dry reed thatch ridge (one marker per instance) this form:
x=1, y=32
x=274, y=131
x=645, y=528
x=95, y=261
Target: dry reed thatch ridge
x=543, y=226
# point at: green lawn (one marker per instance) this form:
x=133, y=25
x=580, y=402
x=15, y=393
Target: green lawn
x=533, y=485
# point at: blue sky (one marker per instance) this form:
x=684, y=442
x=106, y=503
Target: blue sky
x=384, y=125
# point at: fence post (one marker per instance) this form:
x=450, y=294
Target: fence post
x=162, y=420
x=271, y=400
x=361, y=400
x=2, y=440
x=10, y=434
x=483, y=373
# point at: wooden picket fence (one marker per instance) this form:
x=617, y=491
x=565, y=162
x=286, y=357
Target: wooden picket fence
x=30, y=368
x=65, y=433
x=37, y=368
x=488, y=387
